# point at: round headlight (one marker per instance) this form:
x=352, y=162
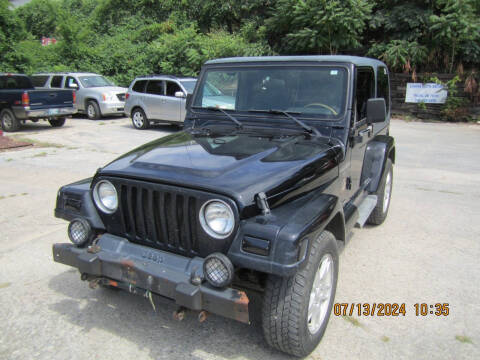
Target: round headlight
x=79, y=232
x=217, y=219
x=218, y=270
x=105, y=196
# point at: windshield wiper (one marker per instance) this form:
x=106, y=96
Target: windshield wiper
x=238, y=123
x=307, y=128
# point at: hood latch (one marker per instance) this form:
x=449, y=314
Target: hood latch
x=262, y=203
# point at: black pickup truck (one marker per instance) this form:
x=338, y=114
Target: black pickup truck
x=19, y=101
x=257, y=194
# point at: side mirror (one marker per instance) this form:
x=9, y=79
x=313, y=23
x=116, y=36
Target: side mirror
x=188, y=101
x=376, y=110
x=179, y=94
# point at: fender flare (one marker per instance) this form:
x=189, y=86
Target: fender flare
x=289, y=230
x=381, y=148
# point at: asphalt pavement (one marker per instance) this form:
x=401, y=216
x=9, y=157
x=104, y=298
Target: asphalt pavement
x=427, y=251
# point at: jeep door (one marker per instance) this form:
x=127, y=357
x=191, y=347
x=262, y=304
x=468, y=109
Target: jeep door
x=361, y=132
x=154, y=93
x=172, y=105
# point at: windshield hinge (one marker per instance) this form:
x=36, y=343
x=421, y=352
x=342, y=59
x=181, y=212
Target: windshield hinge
x=262, y=203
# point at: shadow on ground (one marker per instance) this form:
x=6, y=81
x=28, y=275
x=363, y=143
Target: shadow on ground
x=132, y=318
x=168, y=128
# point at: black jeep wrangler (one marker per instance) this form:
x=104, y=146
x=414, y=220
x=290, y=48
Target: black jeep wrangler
x=280, y=158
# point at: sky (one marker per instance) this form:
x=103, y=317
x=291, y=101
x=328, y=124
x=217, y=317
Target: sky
x=18, y=3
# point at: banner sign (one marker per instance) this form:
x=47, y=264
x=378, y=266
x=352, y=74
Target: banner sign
x=429, y=93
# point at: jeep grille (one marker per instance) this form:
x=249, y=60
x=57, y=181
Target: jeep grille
x=164, y=217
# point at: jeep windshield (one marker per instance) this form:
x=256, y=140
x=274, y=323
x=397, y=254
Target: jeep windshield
x=309, y=91
x=94, y=81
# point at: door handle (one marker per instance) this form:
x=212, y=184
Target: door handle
x=367, y=130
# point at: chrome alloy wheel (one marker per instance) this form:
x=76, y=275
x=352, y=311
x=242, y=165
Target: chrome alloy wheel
x=91, y=111
x=138, y=119
x=321, y=294
x=7, y=121
x=388, y=191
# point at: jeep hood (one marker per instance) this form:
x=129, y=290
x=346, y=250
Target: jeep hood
x=239, y=165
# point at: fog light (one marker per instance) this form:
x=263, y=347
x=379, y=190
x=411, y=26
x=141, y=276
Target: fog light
x=218, y=270
x=79, y=232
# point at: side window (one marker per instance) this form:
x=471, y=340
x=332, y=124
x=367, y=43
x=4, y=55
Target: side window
x=70, y=83
x=172, y=88
x=365, y=89
x=39, y=80
x=155, y=87
x=383, y=88
x=56, y=82
x=139, y=86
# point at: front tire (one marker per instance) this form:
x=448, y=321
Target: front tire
x=384, y=194
x=139, y=119
x=296, y=309
x=57, y=122
x=8, y=120
x=93, y=110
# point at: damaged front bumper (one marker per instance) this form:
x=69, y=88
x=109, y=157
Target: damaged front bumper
x=132, y=266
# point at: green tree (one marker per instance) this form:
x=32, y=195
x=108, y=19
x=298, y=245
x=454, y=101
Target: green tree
x=317, y=26
x=39, y=17
x=456, y=28
x=11, y=32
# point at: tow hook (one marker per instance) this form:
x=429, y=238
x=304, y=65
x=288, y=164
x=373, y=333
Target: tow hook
x=202, y=316
x=179, y=314
x=93, y=284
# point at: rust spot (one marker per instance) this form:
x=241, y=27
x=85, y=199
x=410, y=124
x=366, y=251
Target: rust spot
x=127, y=263
x=241, y=307
x=128, y=271
x=93, y=249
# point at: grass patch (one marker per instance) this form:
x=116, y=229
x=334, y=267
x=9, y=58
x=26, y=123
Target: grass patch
x=38, y=143
x=9, y=159
x=101, y=123
x=464, y=339
x=352, y=321
x=5, y=285
x=385, y=338
x=42, y=154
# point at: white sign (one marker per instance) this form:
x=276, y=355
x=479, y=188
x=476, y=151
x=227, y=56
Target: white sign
x=429, y=93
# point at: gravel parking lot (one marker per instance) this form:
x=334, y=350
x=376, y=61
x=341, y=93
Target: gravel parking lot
x=426, y=252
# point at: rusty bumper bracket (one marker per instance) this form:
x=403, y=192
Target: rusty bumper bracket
x=160, y=272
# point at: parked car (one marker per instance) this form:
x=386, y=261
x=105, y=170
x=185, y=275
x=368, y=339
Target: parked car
x=158, y=99
x=260, y=196
x=19, y=102
x=96, y=95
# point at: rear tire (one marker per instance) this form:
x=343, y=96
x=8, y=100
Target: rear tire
x=139, y=119
x=57, y=122
x=384, y=194
x=93, y=110
x=8, y=120
x=290, y=323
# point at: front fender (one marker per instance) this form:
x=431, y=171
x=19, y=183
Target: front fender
x=378, y=151
x=289, y=230
x=74, y=201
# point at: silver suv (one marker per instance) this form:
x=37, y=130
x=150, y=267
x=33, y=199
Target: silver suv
x=158, y=99
x=96, y=95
